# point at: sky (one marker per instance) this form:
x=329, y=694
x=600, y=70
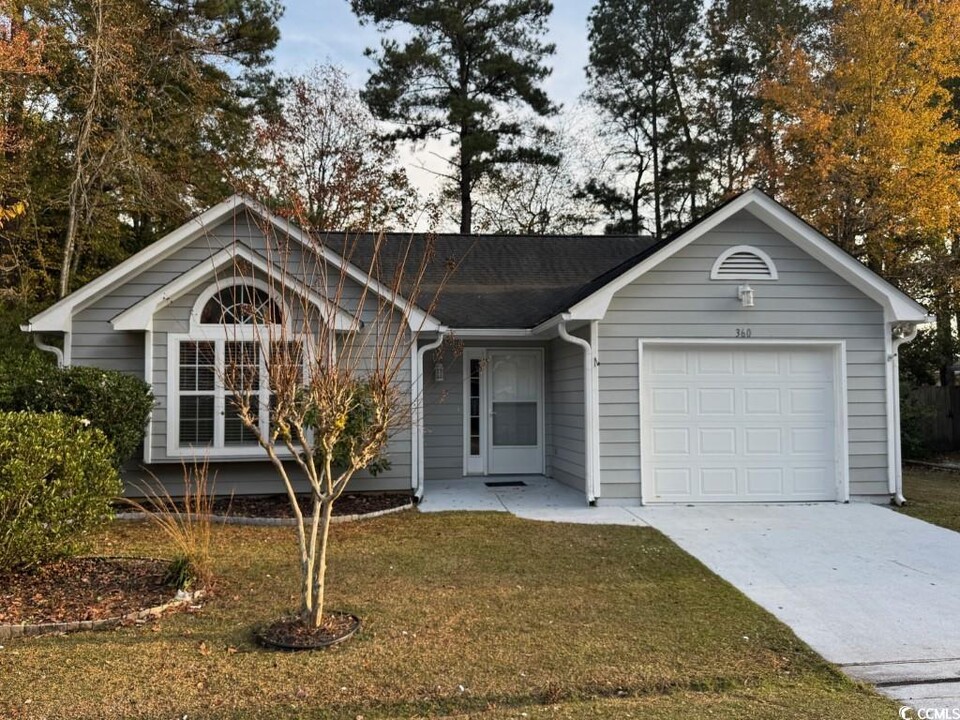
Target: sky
x=319, y=31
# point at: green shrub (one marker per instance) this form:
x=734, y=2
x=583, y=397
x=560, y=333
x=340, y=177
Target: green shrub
x=915, y=420
x=57, y=481
x=116, y=403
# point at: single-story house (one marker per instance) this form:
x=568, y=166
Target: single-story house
x=745, y=358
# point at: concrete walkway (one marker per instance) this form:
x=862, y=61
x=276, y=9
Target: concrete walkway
x=871, y=590
x=539, y=498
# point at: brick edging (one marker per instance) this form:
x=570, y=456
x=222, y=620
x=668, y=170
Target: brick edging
x=9, y=632
x=285, y=522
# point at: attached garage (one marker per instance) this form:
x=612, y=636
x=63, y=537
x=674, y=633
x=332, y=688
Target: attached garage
x=723, y=422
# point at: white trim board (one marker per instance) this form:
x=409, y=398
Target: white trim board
x=899, y=306
x=841, y=420
x=58, y=317
x=140, y=315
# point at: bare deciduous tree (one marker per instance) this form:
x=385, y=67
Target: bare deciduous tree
x=322, y=153
x=336, y=348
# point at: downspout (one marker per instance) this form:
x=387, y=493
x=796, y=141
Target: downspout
x=418, y=411
x=588, y=455
x=58, y=353
x=902, y=334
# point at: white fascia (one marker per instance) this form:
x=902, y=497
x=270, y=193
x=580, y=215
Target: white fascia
x=58, y=317
x=492, y=333
x=140, y=316
x=900, y=307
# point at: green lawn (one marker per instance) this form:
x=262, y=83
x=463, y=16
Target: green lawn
x=933, y=496
x=465, y=615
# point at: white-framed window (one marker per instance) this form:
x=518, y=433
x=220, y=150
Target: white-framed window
x=743, y=262
x=235, y=327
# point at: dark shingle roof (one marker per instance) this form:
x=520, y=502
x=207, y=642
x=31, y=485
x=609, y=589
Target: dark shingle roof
x=500, y=281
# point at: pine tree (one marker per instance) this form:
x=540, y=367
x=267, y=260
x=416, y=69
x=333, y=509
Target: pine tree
x=465, y=70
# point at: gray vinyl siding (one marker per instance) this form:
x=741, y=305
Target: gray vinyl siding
x=566, y=453
x=677, y=299
x=95, y=342
x=443, y=429
x=443, y=434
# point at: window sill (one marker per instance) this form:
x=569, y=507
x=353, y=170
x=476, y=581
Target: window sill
x=222, y=454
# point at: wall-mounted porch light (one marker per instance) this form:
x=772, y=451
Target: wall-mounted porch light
x=745, y=295
x=438, y=372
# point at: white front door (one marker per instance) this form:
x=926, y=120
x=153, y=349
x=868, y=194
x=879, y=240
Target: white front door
x=515, y=411
x=734, y=424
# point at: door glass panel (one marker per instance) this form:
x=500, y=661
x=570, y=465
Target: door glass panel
x=474, y=408
x=515, y=423
x=515, y=391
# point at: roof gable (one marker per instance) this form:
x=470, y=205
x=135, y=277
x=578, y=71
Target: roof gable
x=58, y=317
x=592, y=302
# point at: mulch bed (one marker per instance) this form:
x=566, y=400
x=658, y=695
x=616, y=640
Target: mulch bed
x=291, y=634
x=88, y=588
x=278, y=506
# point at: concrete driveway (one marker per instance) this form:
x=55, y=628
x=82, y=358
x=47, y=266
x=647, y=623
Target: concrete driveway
x=871, y=590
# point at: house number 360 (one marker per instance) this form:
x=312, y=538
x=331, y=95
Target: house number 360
x=744, y=332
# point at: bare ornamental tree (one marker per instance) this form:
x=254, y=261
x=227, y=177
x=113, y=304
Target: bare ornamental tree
x=336, y=346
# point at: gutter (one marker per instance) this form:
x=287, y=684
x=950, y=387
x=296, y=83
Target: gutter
x=588, y=418
x=418, y=411
x=902, y=334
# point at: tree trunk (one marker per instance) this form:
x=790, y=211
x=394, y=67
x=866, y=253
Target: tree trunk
x=466, y=202
x=70, y=242
x=320, y=566
x=635, y=203
x=689, y=149
x=78, y=185
x=655, y=153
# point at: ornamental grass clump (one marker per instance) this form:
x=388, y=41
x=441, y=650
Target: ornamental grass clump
x=187, y=524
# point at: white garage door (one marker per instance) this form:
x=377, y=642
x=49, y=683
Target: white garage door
x=738, y=424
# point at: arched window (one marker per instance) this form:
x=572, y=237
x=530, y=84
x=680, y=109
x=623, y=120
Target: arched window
x=241, y=304
x=743, y=263
x=231, y=345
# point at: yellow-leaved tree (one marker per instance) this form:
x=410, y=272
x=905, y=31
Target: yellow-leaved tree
x=865, y=140
x=868, y=145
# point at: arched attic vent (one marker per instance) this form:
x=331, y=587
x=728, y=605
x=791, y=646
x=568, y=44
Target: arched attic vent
x=744, y=262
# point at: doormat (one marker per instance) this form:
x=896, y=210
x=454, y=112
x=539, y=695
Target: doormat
x=506, y=483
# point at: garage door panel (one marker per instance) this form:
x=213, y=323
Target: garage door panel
x=763, y=441
x=670, y=362
x=811, y=441
x=717, y=441
x=670, y=401
x=716, y=401
x=715, y=363
x=815, y=365
x=764, y=481
x=673, y=482
x=671, y=441
x=719, y=483
x=808, y=401
x=810, y=480
x=744, y=424
x=762, y=363
x=761, y=401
